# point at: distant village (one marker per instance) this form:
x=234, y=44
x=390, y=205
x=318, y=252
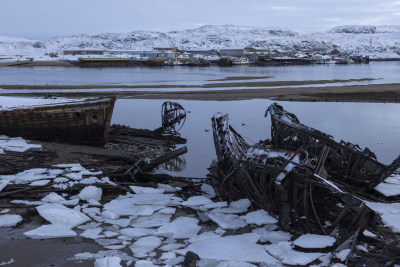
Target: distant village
x=172, y=56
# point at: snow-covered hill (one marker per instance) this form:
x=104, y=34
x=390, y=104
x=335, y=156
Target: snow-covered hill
x=350, y=38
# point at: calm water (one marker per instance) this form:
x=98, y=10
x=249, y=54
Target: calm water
x=376, y=126
x=387, y=72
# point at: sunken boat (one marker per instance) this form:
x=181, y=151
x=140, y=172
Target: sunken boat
x=81, y=122
x=285, y=183
x=346, y=163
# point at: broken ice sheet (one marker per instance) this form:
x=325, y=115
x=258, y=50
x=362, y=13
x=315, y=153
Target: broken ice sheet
x=314, y=241
x=93, y=233
x=228, y=221
x=284, y=252
x=389, y=212
x=272, y=236
x=155, y=220
x=108, y=262
x=145, y=245
x=196, y=201
x=50, y=231
x=136, y=232
x=239, y=206
x=16, y=144
x=236, y=247
x=58, y=214
x=259, y=217
x=181, y=227
x=90, y=193
x=146, y=190
x=9, y=220
x=125, y=207
x=388, y=189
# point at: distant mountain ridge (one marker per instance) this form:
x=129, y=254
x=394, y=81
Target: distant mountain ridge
x=364, y=39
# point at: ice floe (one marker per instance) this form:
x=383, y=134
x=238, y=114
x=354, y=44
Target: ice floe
x=136, y=232
x=285, y=253
x=259, y=217
x=314, y=241
x=196, y=201
x=228, y=221
x=58, y=214
x=181, y=227
x=146, y=190
x=272, y=236
x=90, y=193
x=50, y=231
x=389, y=212
x=155, y=220
x=369, y=234
x=16, y=144
x=238, y=247
x=208, y=190
x=7, y=220
x=145, y=245
x=239, y=206
x=108, y=262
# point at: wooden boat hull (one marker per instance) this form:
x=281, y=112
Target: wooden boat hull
x=283, y=183
x=82, y=122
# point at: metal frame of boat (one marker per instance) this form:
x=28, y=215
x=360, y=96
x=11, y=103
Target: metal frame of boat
x=285, y=183
x=345, y=162
x=83, y=122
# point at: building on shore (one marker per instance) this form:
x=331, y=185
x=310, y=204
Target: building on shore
x=84, y=52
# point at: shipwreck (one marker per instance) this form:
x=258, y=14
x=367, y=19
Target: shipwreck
x=82, y=122
x=302, y=175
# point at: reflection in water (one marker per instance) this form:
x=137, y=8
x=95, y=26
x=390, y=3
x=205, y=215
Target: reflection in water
x=175, y=165
x=372, y=125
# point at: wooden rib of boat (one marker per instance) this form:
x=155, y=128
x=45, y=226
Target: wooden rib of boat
x=345, y=162
x=84, y=122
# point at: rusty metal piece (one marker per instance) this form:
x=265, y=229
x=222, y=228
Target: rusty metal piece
x=173, y=117
x=80, y=122
x=345, y=162
x=284, y=183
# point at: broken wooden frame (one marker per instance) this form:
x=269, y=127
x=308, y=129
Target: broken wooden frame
x=345, y=162
x=173, y=117
x=284, y=183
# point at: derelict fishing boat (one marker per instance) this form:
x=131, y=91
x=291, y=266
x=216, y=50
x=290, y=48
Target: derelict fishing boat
x=283, y=182
x=83, y=122
x=345, y=162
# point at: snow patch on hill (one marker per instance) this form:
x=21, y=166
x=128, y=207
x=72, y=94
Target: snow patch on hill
x=349, y=38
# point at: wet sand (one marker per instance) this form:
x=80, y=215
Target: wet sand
x=165, y=86
x=377, y=93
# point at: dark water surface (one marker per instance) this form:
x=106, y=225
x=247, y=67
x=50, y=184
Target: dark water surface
x=376, y=126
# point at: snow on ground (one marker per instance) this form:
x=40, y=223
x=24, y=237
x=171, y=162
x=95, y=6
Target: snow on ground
x=155, y=227
x=237, y=247
x=50, y=231
x=285, y=253
x=314, y=241
x=389, y=212
x=390, y=187
x=9, y=220
x=16, y=144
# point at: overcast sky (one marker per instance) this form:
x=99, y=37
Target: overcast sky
x=43, y=19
